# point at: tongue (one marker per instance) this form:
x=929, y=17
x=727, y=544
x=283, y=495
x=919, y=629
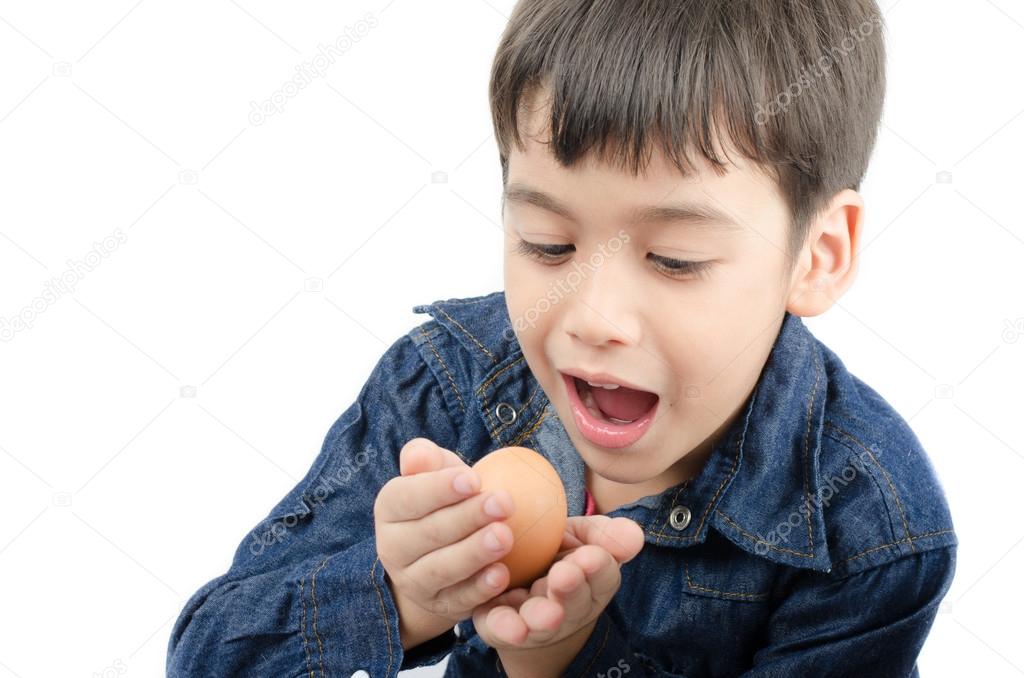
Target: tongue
x=623, y=403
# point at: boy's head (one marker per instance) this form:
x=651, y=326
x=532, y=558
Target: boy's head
x=638, y=135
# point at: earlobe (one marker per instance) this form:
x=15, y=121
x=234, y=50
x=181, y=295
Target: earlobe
x=827, y=263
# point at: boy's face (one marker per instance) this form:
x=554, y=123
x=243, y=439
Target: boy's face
x=611, y=302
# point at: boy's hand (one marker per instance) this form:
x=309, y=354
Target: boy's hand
x=434, y=540
x=553, y=620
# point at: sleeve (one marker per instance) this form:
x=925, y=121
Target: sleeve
x=305, y=593
x=872, y=623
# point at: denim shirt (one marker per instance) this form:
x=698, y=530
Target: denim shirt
x=816, y=540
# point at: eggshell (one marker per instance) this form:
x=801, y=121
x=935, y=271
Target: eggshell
x=541, y=513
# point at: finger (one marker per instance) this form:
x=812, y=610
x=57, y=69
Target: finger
x=412, y=497
x=565, y=578
x=543, y=617
x=539, y=587
x=419, y=455
x=451, y=564
x=600, y=569
x=569, y=588
x=479, y=589
x=413, y=539
x=621, y=537
x=505, y=624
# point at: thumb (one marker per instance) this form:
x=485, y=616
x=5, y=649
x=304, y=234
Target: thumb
x=624, y=539
x=420, y=455
x=621, y=537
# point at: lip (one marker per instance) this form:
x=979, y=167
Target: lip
x=605, y=433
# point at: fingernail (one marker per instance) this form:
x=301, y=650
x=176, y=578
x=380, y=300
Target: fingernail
x=493, y=578
x=491, y=541
x=463, y=483
x=493, y=508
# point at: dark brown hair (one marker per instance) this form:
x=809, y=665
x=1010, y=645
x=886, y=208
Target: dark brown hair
x=797, y=86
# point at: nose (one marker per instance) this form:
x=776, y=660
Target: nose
x=604, y=309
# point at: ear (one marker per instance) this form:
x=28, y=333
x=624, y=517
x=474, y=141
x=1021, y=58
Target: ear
x=827, y=263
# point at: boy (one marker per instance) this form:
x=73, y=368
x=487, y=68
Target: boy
x=680, y=187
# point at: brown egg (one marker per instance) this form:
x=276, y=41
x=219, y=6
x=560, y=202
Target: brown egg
x=541, y=512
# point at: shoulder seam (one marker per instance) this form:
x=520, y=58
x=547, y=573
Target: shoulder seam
x=892, y=486
x=468, y=334
x=425, y=332
x=896, y=544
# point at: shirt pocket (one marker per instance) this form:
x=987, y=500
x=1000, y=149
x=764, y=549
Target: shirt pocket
x=735, y=576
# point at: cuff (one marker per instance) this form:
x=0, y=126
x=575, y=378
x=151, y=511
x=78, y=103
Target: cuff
x=606, y=650
x=430, y=652
x=349, y=621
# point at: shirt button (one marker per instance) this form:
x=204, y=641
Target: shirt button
x=360, y=674
x=680, y=517
x=505, y=413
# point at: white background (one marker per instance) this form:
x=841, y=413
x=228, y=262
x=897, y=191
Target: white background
x=152, y=416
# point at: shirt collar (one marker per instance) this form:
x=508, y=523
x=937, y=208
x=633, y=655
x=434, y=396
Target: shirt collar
x=768, y=463
x=758, y=487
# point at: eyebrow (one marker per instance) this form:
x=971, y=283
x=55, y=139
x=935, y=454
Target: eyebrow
x=699, y=215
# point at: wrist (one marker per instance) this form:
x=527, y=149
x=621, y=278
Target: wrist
x=549, y=661
x=416, y=625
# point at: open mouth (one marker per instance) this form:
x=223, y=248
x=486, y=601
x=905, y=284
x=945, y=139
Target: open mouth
x=620, y=405
x=610, y=415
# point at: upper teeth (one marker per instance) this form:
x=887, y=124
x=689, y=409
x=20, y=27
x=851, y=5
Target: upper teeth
x=607, y=386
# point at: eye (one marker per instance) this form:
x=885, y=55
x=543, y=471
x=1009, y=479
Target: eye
x=543, y=253
x=674, y=268
x=678, y=268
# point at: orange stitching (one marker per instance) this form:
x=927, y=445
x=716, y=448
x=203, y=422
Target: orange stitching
x=493, y=427
x=316, y=611
x=759, y=540
x=384, y=611
x=661, y=532
x=893, y=543
x=607, y=630
x=481, y=387
x=525, y=406
x=698, y=587
x=732, y=472
x=522, y=436
x=892, y=487
x=475, y=340
x=807, y=436
x=302, y=624
x=445, y=367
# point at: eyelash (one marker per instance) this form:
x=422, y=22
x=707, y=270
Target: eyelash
x=675, y=268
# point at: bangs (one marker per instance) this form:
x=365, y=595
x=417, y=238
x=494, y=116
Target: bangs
x=795, y=86
x=620, y=78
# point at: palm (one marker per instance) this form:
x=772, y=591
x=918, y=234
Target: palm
x=557, y=614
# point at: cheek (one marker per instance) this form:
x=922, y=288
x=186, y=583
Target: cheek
x=758, y=277
x=520, y=287
x=526, y=299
